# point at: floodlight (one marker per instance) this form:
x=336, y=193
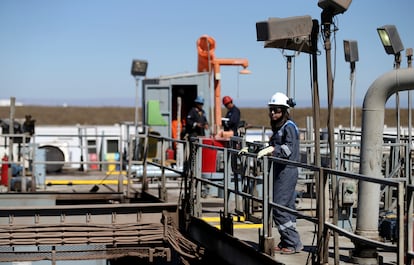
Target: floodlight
x=351, y=51
x=334, y=6
x=139, y=68
x=390, y=39
x=293, y=33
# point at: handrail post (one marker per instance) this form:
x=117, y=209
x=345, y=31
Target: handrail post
x=321, y=206
x=226, y=182
x=401, y=225
x=409, y=234
x=197, y=181
x=163, y=195
x=266, y=238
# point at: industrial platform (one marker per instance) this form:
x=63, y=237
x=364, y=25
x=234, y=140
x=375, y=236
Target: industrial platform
x=246, y=231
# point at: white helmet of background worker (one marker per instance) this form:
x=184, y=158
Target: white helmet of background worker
x=280, y=99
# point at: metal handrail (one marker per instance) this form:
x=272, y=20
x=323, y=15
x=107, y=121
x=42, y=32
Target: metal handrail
x=268, y=205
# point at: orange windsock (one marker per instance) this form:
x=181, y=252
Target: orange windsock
x=205, y=50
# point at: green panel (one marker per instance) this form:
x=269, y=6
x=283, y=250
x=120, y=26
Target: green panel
x=154, y=113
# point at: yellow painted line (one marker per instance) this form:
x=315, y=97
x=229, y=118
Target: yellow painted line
x=85, y=182
x=217, y=218
x=116, y=172
x=243, y=226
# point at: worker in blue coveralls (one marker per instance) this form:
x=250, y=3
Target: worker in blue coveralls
x=232, y=119
x=196, y=121
x=284, y=143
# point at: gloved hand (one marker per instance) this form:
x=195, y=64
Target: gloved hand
x=244, y=150
x=266, y=151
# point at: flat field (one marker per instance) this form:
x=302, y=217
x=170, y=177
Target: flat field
x=57, y=115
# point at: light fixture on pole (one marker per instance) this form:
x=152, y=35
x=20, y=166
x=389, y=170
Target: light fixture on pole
x=330, y=8
x=369, y=192
x=292, y=33
x=351, y=51
x=390, y=39
x=334, y=7
x=351, y=56
x=138, y=69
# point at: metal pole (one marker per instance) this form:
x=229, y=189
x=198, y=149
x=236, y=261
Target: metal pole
x=316, y=129
x=136, y=104
x=130, y=148
x=409, y=53
x=137, y=148
x=289, y=69
x=352, y=96
x=11, y=132
x=396, y=158
x=327, y=22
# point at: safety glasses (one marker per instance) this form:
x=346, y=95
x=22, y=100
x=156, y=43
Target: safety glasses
x=275, y=110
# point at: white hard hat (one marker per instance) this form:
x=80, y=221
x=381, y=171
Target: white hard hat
x=279, y=99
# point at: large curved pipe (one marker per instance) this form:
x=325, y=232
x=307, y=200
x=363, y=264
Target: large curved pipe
x=371, y=145
x=205, y=50
x=207, y=62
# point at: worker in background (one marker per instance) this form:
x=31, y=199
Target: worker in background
x=29, y=125
x=284, y=143
x=232, y=119
x=196, y=121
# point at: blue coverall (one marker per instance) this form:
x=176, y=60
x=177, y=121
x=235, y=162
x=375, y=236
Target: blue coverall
x=233, y=116
x=286, y=144
x=194, y=117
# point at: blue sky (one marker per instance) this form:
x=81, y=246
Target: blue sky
x=58, y=51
